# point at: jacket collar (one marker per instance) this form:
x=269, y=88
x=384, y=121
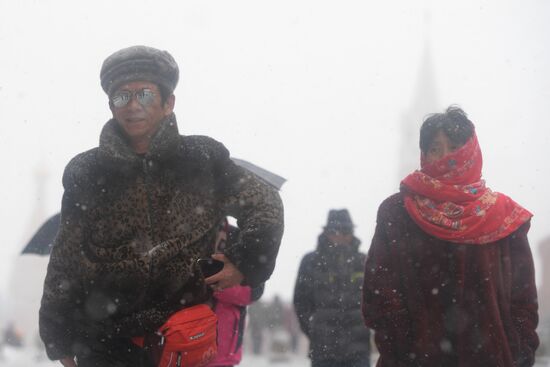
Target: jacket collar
x=115, y=150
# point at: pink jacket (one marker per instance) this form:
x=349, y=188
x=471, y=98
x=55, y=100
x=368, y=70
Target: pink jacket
x=230, y=307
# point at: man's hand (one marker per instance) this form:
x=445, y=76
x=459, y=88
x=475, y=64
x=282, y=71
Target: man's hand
x=68, y=362
x=228, y=277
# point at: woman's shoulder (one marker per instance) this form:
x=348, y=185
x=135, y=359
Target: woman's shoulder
x=392, y=211
x=521, y=231
x=392, y=204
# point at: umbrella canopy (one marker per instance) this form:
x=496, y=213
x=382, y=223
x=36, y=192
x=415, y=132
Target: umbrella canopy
x=268, y=177
x=41, y=242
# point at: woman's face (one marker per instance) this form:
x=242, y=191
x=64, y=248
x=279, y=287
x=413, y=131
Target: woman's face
x=440, y=146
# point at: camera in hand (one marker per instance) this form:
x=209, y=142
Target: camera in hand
x=210, y=266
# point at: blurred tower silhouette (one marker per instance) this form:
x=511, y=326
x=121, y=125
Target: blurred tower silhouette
x=424, y=102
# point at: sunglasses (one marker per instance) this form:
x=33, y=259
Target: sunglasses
x=145, y=97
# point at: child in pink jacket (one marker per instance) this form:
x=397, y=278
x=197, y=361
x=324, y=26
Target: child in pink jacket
x=230, y=307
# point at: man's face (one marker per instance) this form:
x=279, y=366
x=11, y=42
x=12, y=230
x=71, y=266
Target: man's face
x=141, y=116
x=340, y=236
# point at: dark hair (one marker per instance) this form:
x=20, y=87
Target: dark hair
x=453, y=122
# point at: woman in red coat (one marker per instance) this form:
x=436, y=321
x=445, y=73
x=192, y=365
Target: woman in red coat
x=449, y=278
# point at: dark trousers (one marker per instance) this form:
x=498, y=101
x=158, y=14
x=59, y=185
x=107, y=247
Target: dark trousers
x=113, y=353
x=358, y=362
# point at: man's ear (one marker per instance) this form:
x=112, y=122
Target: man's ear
x=169, y=105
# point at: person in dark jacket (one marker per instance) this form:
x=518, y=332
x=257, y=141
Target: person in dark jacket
x=137, y=212
x=327, y=297
x=449, y=279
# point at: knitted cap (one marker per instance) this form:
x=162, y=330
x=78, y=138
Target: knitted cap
x=139, y=63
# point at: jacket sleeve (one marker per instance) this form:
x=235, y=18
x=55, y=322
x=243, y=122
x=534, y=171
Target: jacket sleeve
x=383, y=305
x=524, y=297
x=259, y=213
x=62, y=290
x=304, y=305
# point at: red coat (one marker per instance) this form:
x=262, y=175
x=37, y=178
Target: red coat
x=437, y=303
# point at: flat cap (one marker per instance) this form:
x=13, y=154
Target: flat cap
x=139, y=63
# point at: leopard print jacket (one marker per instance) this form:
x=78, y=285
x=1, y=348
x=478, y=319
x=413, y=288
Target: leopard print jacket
x=132, y=228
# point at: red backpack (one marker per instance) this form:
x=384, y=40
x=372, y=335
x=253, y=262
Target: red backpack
x=187, y=339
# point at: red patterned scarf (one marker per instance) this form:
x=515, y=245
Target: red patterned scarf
x=449, y=200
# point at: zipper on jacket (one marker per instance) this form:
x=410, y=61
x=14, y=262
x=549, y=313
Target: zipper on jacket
x=239, y=325
x=148, y=194
x=178, y=360
x=146, y=180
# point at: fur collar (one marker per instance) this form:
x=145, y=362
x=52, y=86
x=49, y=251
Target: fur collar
x=115, y=150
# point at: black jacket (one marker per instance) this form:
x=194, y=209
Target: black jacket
x=327, y=300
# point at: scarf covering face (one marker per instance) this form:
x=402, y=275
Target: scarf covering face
x=449, y=200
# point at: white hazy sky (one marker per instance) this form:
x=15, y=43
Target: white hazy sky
x=315, y=91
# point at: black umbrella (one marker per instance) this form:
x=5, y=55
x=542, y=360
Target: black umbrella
x=41, y=242
x=269, y=177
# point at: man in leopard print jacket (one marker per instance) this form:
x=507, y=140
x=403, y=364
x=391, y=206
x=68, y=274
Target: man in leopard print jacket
x=137, y=212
